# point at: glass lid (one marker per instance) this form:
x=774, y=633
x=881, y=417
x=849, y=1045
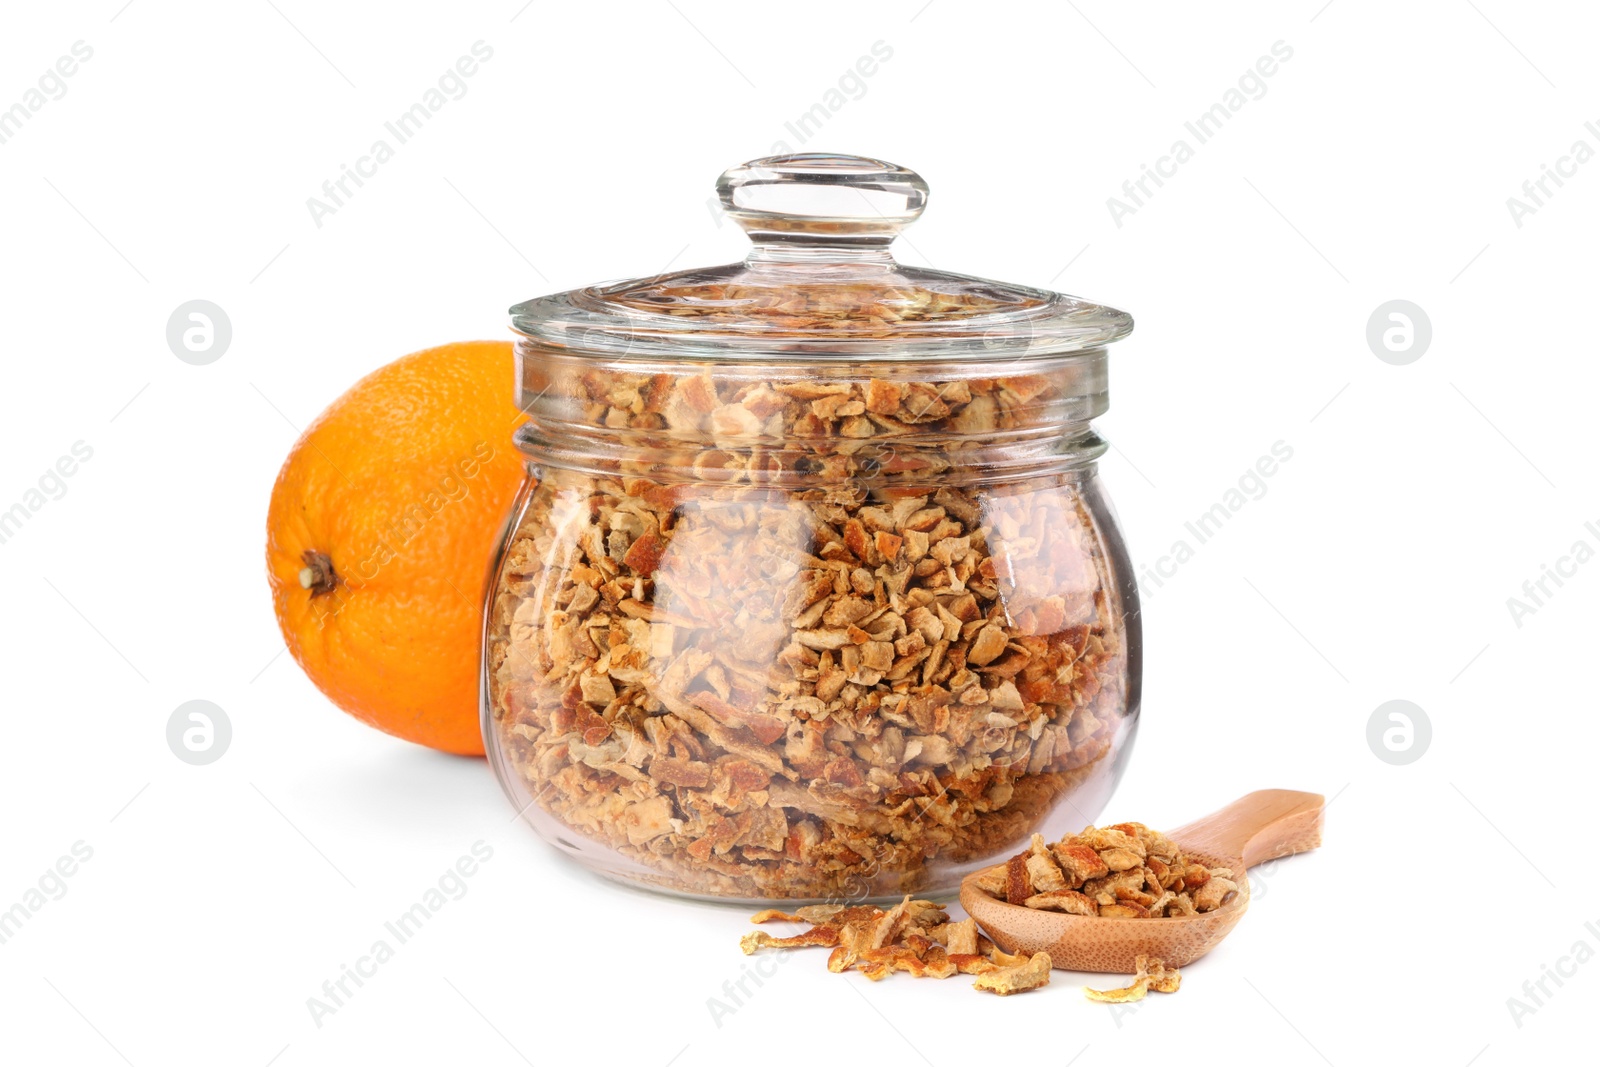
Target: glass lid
x=819, y=284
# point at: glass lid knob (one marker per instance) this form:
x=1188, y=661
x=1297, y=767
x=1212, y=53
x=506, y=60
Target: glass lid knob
x=827, y=202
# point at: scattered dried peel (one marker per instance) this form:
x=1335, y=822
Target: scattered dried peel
x=914, y=936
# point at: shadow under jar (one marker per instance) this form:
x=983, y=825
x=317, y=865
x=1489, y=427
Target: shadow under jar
x=812, y=592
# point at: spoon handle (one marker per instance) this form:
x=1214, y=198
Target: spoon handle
x=1257, y=827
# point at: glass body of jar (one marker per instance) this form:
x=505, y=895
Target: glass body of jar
x=760, y=632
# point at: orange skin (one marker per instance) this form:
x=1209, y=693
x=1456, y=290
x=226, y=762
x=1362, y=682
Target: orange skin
x=379, y=537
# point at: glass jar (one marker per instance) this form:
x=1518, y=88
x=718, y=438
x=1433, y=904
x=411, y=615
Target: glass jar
x=812, y=592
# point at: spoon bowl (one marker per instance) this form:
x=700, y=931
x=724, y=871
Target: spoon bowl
x=1261, y=826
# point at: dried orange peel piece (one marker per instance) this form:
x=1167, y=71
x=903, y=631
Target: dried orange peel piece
x=1017, y=978
x=1149, y=974
x=821, y=936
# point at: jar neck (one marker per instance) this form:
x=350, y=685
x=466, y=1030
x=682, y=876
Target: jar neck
x=811, y=426
x=649, y=456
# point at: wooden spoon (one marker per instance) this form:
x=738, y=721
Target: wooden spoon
x=1253, y=829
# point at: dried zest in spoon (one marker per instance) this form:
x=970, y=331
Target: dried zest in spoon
x=1123, y=871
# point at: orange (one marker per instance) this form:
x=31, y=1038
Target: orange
x=379, y=537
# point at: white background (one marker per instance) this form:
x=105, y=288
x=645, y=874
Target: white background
x=1377, y=566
